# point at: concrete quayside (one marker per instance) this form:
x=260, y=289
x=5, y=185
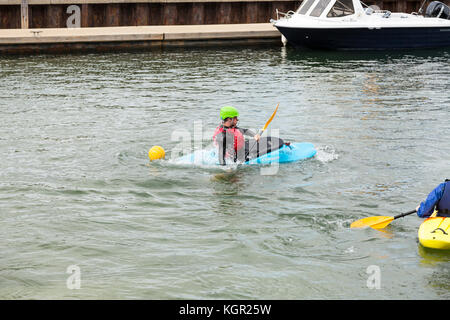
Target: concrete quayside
x=59, y=40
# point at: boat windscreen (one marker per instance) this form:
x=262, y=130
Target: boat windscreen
x=341, y=8
x=306, y=4
x=319, y=8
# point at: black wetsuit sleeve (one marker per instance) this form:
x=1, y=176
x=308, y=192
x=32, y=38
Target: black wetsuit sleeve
x=247, y=132
x=221, y=143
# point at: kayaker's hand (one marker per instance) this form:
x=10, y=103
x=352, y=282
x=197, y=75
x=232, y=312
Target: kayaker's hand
x=257, y=136
x=417, y=209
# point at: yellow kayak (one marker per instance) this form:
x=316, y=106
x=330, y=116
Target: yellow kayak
x=434, y=233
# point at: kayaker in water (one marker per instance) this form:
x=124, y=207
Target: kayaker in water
x=229, y=138
x=438, y=199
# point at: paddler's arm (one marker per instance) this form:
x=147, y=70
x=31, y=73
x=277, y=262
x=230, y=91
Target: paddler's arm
x=250, y=133
x=426, y=208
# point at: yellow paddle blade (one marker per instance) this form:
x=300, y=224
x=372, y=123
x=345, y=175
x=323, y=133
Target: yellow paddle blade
x=383, y=223
x=271, y=118
x=378, y=222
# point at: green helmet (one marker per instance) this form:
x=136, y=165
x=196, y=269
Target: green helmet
x=228, y=112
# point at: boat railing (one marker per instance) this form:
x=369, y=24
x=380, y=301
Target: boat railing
x=284, y=15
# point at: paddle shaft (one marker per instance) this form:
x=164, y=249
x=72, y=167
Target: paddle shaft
x=404, y=214
x=247, y=152
x=262, y=130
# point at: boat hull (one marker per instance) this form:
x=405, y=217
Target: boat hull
x=367, y=38
x=434, y=233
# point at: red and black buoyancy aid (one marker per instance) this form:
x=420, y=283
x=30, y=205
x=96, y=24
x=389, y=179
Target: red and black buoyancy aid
x=443, y=206
x=236, y=134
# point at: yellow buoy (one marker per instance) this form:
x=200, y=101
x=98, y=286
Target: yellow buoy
x=156, y=153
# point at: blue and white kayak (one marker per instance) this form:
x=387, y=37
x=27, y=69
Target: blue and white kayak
x=287, y=153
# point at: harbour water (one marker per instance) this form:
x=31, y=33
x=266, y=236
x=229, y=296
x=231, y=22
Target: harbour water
x=79, y=197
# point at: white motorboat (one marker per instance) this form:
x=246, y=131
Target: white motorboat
x=347, y=25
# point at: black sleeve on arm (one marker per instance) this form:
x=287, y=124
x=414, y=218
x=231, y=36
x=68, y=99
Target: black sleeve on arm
x=247, y=132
